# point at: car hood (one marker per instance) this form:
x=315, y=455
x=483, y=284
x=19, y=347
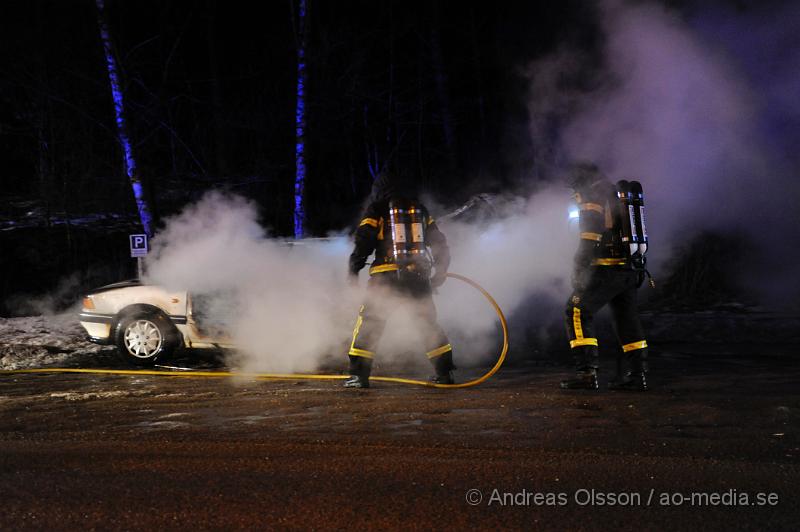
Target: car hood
x=114, y=286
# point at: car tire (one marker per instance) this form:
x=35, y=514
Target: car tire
x=142, y=339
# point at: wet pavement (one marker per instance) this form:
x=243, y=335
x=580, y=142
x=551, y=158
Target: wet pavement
x=713, y=445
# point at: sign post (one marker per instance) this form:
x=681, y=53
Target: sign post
x=139, y=249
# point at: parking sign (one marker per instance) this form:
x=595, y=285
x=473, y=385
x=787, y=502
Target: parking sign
x=138, y=245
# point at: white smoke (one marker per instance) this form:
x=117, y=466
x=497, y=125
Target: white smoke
x=678, y=116
x=284, y=306
x=525, y=250
x=670, y=106
x=289, y=308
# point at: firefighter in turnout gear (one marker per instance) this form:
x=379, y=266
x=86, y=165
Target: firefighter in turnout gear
x=403, y=236
x=609, y=267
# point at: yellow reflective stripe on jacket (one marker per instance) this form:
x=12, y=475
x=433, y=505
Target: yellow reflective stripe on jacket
x=383, y=268
x=597, y=237
x=369, y=221
x=439, y=351
x=609, y=262
x=583, y=341
x=591, y=207
x=430, y=220
x=633, y=346
x=380, y=229
x=354, y=351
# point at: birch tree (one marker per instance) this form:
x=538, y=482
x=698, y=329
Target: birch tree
x=123, y=136
x=300, y=122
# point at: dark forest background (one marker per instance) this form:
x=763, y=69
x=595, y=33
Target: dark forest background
x=210, y=96
x=435, y=87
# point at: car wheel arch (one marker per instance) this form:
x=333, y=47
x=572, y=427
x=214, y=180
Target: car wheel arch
x=144, y=309
x=136, y=308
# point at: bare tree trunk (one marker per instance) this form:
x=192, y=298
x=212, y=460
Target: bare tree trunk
x=373, y=157
x=441, y=91
x=142, y=205
x=43, y=120
x=390, y=107
x=216, y=90
x=421, y=115
x=300, y=123
x=478, y=72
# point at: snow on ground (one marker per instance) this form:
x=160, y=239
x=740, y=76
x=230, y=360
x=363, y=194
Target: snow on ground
x=58, y=340
x=48, y=340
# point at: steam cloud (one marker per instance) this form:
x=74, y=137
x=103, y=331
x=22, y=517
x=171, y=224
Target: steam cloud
x=688, y=109
x=288, y=308
x=279, y=304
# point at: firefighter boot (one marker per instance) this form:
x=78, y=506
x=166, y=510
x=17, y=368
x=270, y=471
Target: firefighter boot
x=629, y=382
x=584, y=380
x=586, y=359
x=360, y=368
x=445, y=378
x=443, y=365
x=631, y=373
x=357, y=381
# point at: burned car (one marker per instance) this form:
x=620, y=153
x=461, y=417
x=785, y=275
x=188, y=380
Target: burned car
x=147, y=322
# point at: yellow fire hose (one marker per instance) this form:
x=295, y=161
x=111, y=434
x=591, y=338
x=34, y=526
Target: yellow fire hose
x=295, y=376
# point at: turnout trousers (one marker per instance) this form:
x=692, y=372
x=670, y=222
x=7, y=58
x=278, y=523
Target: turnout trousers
x=385, y=291
x=616, y=287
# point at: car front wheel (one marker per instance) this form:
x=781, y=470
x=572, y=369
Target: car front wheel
x=143, y=339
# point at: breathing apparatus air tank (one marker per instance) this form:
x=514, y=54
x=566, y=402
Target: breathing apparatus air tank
x=407, y=225
x=638, y=209
x=630, y=235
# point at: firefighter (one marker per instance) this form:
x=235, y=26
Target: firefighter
x=608, y=269
x=403, y=236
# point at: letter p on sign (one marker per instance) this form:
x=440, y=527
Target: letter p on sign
x=138, y=245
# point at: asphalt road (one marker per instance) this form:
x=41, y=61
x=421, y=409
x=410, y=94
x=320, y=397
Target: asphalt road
x=717, y=430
